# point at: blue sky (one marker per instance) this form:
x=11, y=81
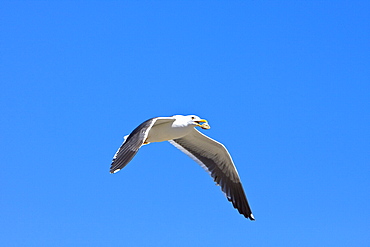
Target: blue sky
x=285, y=85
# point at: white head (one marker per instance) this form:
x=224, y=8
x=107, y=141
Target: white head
x=195, y=121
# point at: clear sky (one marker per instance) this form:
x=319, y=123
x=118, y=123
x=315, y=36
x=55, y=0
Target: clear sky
x=285, y=85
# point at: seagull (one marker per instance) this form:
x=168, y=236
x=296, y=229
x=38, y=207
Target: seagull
x=180, y=131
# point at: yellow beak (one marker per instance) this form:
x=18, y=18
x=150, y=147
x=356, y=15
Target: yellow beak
x=203, y=126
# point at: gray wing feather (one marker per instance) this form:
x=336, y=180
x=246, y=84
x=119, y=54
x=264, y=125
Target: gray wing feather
x=131, y=146
x=133, y=142
x=214, y=158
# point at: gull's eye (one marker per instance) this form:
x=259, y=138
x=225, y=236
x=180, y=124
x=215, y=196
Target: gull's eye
x=192, y=118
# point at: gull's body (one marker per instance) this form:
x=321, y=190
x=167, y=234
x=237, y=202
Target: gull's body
x=168, y=130
x=179, y=131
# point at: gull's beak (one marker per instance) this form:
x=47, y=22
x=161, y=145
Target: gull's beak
x=203, y=126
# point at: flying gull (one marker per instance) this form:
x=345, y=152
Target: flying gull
x=179, y=131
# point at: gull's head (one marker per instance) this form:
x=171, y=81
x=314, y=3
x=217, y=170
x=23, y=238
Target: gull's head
x=195, y=120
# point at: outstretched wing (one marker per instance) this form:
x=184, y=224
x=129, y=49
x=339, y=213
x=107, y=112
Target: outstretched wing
x=131, y=145
x=214, y=158
x=133, y=142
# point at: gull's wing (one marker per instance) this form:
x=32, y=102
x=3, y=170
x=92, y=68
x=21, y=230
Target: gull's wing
x=133, y=142
x=214, y=158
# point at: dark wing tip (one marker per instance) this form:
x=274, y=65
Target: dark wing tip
x=235, y=194
x=112, y=171
x=115, y=165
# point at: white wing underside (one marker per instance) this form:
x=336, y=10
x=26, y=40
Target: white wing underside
x=216, y=160
x=198, y=143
